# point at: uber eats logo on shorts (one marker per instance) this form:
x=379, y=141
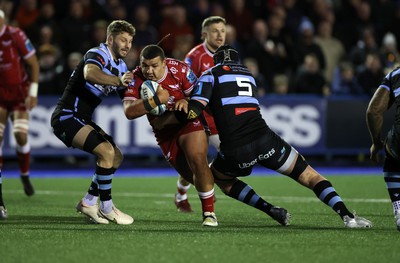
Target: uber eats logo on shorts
x=299, y=125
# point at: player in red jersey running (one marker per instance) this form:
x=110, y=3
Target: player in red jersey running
x=200, y=58
x=183, y=145
x=18, y=95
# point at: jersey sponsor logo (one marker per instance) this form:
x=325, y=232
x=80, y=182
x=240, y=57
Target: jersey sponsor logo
x=29, y=45
x=283, y=150
x=173, y=62
x=247, y=165
x=266, y=155
x=100, y=58
x=176, y=86
x=6, y=43
x=191, y=115
x=191, y=76
x=239, y=111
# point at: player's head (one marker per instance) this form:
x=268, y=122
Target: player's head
x=152, y=62
x=213, y=32
x=226, y=53
x=120, y=37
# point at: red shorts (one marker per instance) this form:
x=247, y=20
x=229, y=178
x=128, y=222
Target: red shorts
x=170, y=148
x=11, y=106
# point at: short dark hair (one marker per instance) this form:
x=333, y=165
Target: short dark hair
x=212, y=20
x=152, y=51
x=117, y=27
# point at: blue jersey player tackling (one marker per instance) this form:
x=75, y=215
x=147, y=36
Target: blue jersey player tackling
x=386, y=96
x=100, y=72
x=229, y=90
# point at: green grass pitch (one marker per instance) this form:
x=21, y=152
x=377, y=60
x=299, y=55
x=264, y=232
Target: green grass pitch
x=45, y=228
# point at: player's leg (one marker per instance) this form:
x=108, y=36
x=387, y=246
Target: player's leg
x=92, y=194
x=298, y=169
x=181, y=199
x=20, y=120
x=3, y=210
x=3, y=121
x=92, y=141
x=239, y=190
x=391, y=172
x=195, y=147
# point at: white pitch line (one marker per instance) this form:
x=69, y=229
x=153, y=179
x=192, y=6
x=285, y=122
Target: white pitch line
x=288, y=199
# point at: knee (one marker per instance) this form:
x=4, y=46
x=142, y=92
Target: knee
x=310, y=177
x=118, y=157
x=105, y=151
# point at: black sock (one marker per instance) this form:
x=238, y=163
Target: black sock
x=104, y=180
x=327, y=194
x=245, y=194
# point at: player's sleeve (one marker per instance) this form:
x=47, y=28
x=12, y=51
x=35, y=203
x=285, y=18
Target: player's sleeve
x=24, y=45
x=97, y=57
x=203, y=88
x=188, y=81
x=132, y=92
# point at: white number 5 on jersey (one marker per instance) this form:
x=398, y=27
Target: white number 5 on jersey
x=244, y=83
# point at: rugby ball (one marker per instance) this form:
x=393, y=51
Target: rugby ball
x=147, y=90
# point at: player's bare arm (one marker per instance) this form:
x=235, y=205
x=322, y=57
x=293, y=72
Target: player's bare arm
x=376, y=108
x=136, y=108
x=94, y=74
x=33, y=64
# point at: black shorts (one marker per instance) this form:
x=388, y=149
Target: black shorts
x=66, y=125
x=392, y=150
x=270, y=151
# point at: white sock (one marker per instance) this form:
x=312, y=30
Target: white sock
x=106, y=206
x=90, y=199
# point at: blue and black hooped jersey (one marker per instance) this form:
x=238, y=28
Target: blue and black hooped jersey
x=82, y=96
x=230, y=89
x=391, y=82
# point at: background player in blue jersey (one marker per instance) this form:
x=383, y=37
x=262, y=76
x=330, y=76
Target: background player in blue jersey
x=385, y=96
x=100, y=72
x=229, y=90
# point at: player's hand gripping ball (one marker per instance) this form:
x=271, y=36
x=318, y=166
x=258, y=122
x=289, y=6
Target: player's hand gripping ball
x=147, y=90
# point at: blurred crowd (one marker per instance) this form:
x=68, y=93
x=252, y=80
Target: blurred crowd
x=322, y=47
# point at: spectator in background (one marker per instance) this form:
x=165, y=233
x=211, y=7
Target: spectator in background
x=51, y=70
x=306, y=45
x=72, y=61
x=261, y=48
x=26, y=15
x=47, y=18
x=231, y=38
x=252, y=65
x=146, y=33
x=331, y=47
x=241, y=18
x=365, y=45
x=344, y=80
x=98, y=32
x=280, y=85
x=389, y=52
x=176, y=24
x=76, y=29
x=370, y=74
x=309, y=78
x=18, y=95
